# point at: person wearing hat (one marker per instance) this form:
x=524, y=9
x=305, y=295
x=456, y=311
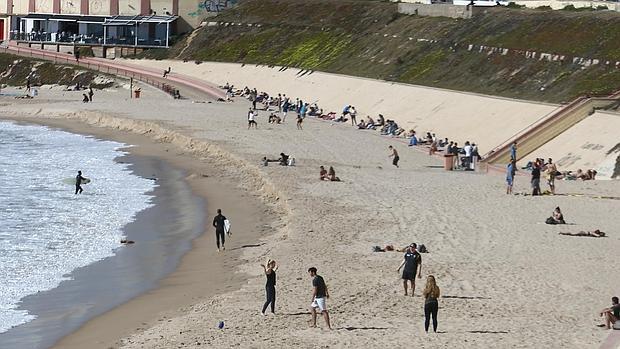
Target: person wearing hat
x=412, y=262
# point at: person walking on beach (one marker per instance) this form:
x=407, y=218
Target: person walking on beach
x=270, y=287
x=319, y=295
x=300, y=120
x=252, y=119
x=78, y=183
x=90, y=94
x=285, y=106
x=431, y=305
x=412, y=262
x=219, y=224
x=510, y=176
x=395, y=156
x=513, y=151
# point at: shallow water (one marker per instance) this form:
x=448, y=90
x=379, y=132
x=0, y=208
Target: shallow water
x=46, y=231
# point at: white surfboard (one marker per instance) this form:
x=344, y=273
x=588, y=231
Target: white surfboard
x=227, y=226
x=71, y=181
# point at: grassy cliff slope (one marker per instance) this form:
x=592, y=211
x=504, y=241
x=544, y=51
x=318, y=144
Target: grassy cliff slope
x=370, y=39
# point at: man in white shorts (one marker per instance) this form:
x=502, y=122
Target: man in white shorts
x=319, y=295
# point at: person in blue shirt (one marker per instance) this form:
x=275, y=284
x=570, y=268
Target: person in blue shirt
x=510, y=176
x=513, y=151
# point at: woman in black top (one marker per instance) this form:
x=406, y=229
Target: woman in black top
x=270, y=286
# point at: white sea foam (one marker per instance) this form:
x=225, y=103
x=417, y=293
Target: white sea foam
x=45, y=230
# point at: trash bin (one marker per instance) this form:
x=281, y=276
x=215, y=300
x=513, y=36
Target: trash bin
x=136, y=93
x=448, y=162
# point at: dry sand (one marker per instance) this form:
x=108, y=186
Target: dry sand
x=457, y=115
x=507, y=279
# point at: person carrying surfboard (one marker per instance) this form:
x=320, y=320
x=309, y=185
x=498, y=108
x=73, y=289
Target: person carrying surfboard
x=219, y=222
x=78, y=183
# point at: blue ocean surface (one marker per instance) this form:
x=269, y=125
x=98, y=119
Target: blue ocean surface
x=46, y=231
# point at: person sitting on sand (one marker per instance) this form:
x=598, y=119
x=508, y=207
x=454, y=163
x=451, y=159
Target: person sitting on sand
x=323, y=174
x=611, y=314
x=331, y=175
x=556, y=218
x=283, y=159
x=595, y=234
x=361, y=125
x=85, y=98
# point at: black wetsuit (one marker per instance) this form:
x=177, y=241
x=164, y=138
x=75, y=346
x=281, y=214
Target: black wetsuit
x=78, y=184
x=218, y=223
x=270, y=289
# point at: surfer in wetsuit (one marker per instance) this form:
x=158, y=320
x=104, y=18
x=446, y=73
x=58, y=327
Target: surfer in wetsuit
x=218, y=223
x=78, y=183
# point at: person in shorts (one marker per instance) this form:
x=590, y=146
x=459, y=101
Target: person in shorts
x=611, y=314
x=319, y=296
x=252, y=118
x=412, y=262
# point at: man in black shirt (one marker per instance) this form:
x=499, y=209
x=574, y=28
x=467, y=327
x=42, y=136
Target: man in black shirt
x=319, y=295
x=413, y=265
x=218, y=223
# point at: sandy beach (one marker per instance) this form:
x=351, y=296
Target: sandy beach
x=507, y=279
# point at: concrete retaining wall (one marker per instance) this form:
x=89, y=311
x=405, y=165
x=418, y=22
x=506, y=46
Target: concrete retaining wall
x=436, y=10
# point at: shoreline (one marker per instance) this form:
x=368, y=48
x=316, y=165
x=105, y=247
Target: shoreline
x=195, y=274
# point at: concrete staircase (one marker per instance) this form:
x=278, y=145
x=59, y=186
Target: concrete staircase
x=549, y=127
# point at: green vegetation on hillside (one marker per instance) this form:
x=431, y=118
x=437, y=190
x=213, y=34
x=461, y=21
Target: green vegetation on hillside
x=370, y=39
x=17, y=69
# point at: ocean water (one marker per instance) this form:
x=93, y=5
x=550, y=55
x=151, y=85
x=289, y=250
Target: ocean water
x=46, y=231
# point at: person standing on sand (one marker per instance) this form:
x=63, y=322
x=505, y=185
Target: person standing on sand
x=78, y=183
x=90, y=94
x=510, y=176
x=431, y=305
x=319, y=295
x=550, y=171
x=300, y=120
x=395, y=155
x=513, y=151
x=218, y=223
x=413, y=263
x=252, y=118
x=353, y=115
x=535, y=181
x=270, y=287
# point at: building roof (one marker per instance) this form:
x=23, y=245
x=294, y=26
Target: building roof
x=133, y=20
x=65, y=18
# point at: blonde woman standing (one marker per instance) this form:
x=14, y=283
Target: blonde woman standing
x=431, y=305
x=270, y=287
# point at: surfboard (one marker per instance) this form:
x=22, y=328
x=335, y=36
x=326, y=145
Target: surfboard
x=227, y=226
x=71, y=181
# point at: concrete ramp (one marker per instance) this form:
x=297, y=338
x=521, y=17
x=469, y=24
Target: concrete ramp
x=546, y=129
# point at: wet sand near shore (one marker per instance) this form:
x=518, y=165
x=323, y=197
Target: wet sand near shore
x=201, y=272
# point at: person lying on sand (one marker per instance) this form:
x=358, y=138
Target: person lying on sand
x=556, y=218
x=611, y=314
x=595, y=234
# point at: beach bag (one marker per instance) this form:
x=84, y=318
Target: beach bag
x=616, y=325
x=422, y=248
x=291, y=161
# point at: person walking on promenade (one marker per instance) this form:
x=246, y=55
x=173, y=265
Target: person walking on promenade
x=395, y=156
x=219, y=224
x=270, y=287
x=412, y=261
x=431, y=305
x=513, y=151
x=319, y=296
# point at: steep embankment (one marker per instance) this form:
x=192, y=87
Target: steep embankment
x=16, y=71
x=550, y=56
